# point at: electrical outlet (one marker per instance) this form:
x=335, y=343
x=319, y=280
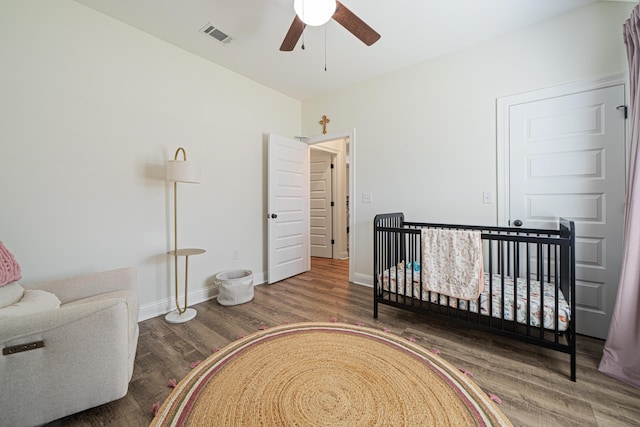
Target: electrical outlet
x=367, y=198
x=235, y=254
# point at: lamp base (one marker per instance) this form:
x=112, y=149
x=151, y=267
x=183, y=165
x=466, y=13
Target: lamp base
x=175, y=317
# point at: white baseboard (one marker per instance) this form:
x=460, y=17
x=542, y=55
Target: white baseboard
x=165, y=305
x=363, y=279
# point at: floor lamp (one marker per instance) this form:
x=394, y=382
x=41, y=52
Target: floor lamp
x=181, y=171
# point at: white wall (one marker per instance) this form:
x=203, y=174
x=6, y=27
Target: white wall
x=426, y=135
x=90, y=111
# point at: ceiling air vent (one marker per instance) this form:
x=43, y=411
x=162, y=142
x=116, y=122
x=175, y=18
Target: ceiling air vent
x=215, y=33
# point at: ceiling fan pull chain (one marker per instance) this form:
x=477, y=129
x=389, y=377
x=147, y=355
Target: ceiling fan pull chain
x=303, y=28
x=325, y=47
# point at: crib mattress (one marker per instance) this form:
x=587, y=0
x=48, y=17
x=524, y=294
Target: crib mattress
x=515, y=297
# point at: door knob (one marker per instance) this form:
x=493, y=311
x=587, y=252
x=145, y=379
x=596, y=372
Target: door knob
x=517, y=223
x=274, y=216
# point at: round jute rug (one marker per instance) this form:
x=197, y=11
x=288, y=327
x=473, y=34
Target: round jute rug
x=327, y=374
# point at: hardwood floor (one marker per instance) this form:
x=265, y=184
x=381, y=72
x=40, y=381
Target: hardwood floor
x=532, y=382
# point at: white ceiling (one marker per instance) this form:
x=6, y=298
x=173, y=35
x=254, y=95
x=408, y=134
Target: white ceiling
x=412, y=31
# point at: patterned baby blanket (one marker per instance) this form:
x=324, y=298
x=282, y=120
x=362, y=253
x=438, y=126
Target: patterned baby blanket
x=452, y=262
x=521, y=296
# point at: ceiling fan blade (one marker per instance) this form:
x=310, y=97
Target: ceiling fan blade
x=355, y=25
x=293, y=35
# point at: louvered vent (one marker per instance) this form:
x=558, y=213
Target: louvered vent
x=215, y=33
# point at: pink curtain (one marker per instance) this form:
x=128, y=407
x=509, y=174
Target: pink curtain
x=621, y=356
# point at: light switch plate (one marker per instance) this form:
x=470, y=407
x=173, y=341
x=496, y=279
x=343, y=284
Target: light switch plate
x=487, y=197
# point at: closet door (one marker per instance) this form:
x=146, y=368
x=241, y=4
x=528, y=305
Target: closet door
x=321, y=204
x=567, y=159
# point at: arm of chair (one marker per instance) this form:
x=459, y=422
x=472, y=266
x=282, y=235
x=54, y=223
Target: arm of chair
x=84, y=362
x=13, y=330
x=88, y=285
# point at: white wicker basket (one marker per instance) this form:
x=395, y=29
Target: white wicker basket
x=234, y=286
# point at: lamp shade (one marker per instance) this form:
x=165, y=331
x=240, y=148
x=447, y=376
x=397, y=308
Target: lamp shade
x=183, y=171
x=315, y=12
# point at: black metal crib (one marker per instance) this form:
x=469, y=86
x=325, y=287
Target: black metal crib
x=529, y=281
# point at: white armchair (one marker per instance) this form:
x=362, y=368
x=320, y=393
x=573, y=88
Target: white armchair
x=59, y=362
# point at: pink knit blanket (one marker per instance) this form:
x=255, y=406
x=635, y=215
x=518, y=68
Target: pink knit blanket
x=9, y=268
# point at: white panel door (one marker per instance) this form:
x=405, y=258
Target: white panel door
x=567, y=160
x=288, y=208
x=321, y=220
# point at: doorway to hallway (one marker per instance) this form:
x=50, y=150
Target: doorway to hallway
x=329, y=199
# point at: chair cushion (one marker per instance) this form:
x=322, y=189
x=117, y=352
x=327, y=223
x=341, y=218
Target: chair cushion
x=33, y=301
x=10, y=294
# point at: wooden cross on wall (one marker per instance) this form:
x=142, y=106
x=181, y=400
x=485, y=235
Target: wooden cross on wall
x=324, y=122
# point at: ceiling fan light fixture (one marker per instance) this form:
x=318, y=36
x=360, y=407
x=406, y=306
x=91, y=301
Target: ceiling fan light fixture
x=315, y=12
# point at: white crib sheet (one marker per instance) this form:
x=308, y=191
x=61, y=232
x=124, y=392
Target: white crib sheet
x=513, y=303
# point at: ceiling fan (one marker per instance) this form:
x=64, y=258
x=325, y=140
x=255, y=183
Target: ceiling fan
x=316, y=12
